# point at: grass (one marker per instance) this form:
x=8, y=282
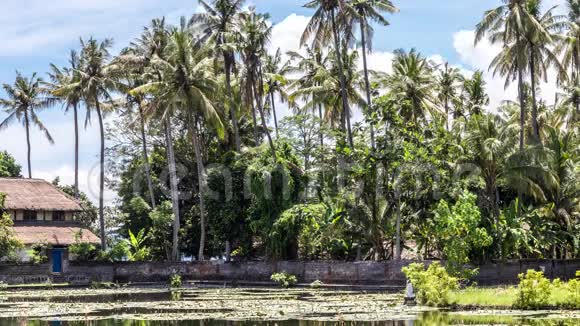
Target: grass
x=498, y=297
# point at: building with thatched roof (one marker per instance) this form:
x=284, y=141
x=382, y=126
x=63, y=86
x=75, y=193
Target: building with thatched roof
x=44, y=215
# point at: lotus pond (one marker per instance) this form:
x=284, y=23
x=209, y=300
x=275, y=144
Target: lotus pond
x=244, y=306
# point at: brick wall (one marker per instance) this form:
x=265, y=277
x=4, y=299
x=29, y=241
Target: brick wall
x=330, y=272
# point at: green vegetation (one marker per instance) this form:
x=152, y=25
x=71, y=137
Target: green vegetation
x=432, y=285
x=9, y=245
x=533, y=292
x=175, y=281
x=8, y=166
x=203, y=166
x=284, y=279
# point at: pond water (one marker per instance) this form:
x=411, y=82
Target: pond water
x=244, y=307
x=422, y=319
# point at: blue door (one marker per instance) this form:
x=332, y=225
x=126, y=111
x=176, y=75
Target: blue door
x=57, y=260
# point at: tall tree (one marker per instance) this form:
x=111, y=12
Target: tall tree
x=366, y=11
x=217, y=25
x=24, y=99
x=255, y=33
x=275, y=82
x=188, y=81
x=96, y=82
x=64, y=85
x=323, y=27
x=568, y=46
x=514, y=26
x=447, y=87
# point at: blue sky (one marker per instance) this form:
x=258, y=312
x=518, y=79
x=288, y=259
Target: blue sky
x=35, y=33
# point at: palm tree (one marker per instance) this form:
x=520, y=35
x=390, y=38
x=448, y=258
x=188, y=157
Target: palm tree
x=61, y=79
x=447, y=87
x=312, y=67
x=568, y=45
x=322, y=28
x=516, y=26
x=411, y=83
x=217, y=26
x=24, y=99
x=187, y=82
x=96, y=81
x=326, y=88
x=153, y=44
x=541, y=55
x=254, y=36
x=475, y=94
x=370, y=10
x=274, y=82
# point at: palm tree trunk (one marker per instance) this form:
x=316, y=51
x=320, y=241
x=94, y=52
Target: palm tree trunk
x=146, y=157
x=75, y=111
x=27, y=126
x=367, y=82
x=101, y=177
x=321, y=125
x=398, y=231
x=274, y=113
x=233, y=115
x=535, y=126
x=201, y=189
x=255, y=120
x=446, y=114
x=345, y=106
x=258, y=98
x=174, y=191
x=522, y=108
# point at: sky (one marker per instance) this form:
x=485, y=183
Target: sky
x=35, y=33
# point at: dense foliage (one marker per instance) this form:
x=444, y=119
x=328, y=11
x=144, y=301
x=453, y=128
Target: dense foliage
x=9, y=244
x=433, y=284
x=431, y=170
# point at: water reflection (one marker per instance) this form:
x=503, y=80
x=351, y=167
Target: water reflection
x=425, y=319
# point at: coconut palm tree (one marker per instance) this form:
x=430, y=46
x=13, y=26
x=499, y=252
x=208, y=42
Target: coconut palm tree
x=568, y=45
x=61, y=79
x=515, y=25
x=540, y=50
x=476, y=98
x=254, y=36
x=369, y=10
x=323, y=28
x=24, y=99
x=187, y=83
x=153, y=46
x=217, y=25
x=275, y=82
x=447, y=81
x=311, y=66
x=96, y=82
x=412, y=83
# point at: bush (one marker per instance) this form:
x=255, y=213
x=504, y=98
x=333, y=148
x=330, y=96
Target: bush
x=316, y=284
x=38, y=254
x=533, y=291
x=175, y=281
x=284, y=279
x=83, y=251
x=433, y=285
x=571, y=290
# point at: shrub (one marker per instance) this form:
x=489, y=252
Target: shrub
x=104, y=285
x=83, y=251
x=571, y=293
x=284, y=279
x=175, y=281
x=533, y=291
x=38, y=254
x=316, y=284
x=432, y=285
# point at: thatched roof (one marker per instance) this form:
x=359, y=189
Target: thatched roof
x=36, y=195
x=54, y=235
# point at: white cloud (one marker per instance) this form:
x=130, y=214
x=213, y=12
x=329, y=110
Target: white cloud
x=479, y=58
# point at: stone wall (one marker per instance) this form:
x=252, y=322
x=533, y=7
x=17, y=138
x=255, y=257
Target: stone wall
x=329, y=272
